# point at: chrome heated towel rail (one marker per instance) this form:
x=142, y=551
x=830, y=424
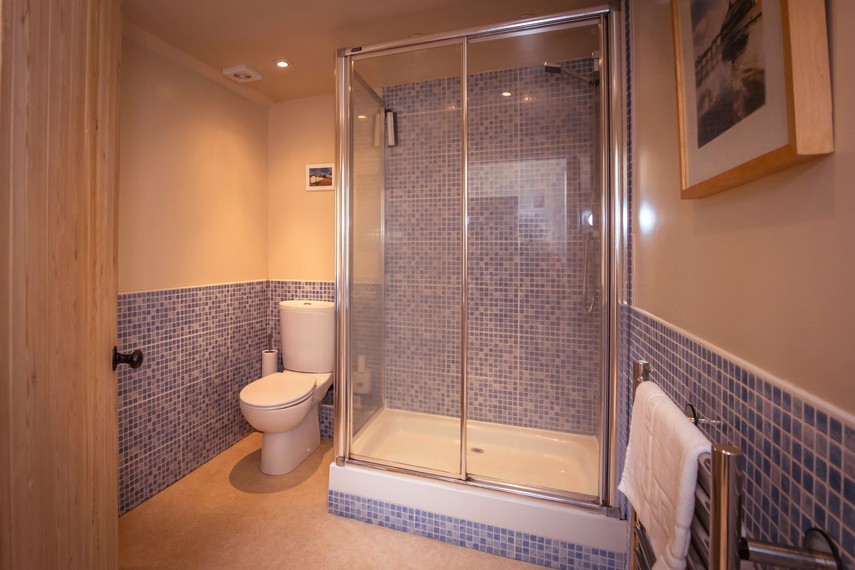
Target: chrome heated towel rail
x=717, y=542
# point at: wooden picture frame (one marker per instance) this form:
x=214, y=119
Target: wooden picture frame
x=763, y=102
x=320, y=177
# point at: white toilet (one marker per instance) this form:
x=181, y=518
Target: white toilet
x=284, y=405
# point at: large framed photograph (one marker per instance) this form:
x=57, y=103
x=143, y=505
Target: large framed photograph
x=753, y=89
x=319, y=177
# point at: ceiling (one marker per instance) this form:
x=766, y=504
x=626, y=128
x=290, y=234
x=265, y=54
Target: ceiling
x=222, y=33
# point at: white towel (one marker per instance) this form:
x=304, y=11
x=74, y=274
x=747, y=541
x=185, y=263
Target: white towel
x=661, y=471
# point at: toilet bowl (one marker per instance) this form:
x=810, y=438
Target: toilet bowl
x=284, y=406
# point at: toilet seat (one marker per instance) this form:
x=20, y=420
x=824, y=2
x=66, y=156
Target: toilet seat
x=278, y=391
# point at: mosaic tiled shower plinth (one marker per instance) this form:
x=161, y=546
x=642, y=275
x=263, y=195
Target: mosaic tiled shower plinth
x=539, y=532
x=478, y=536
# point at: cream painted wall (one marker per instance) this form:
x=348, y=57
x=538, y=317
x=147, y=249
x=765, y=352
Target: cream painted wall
x=301, y=223
x=193, y=178
x=765, y=271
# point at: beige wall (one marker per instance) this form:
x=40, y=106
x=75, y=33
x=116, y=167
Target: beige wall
x=193, y=178
x=302, y=224
x=764, y=271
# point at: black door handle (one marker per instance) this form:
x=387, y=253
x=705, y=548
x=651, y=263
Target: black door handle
x=133, y=359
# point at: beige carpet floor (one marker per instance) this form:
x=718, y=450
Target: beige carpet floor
x=227, y=514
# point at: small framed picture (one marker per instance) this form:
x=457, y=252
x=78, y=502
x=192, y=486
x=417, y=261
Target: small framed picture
x=319, y=177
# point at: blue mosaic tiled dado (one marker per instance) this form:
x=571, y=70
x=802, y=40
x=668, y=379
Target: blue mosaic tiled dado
x=486, y=538
x=799, y=459
x=624, y=358
x=533, y=350
x=201, y=346
x=326, y=417
x=180, y=409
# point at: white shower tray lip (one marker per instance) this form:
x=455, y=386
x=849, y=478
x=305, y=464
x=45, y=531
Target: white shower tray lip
x=541, y=458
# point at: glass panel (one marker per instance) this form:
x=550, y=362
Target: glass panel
x=534, y=306
x=366, y=316
x=407, y=241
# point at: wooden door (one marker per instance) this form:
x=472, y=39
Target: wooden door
x=58, y=187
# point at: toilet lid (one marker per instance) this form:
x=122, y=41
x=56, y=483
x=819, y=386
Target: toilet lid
x=278, y=390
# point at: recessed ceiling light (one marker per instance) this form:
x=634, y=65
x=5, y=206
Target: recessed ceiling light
x=361, y=116
x=283, y=63
x=506, y=93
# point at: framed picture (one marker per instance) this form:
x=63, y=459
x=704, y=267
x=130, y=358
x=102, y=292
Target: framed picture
x=753, y=89
x=319, y=177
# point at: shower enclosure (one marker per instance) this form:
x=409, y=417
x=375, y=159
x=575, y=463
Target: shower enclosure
x=475, y=302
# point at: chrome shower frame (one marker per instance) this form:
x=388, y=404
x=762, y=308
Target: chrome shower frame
x=612, y=216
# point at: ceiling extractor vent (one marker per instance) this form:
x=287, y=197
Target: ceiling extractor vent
x=242, y=73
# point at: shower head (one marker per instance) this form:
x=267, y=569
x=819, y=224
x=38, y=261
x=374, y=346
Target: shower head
x=549, y=67
x=593, y=80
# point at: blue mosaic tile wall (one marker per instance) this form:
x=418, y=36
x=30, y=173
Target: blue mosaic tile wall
x=201, y=347
x=624, y=404
x=486, y=538
x=422, y=284
x=180, y=409
x=533, y=350
x=326, y=416
x=624, y=358
x=799, y=459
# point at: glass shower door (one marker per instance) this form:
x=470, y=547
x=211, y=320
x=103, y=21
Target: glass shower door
x=534, y=319
x=407, y=239
x=474, y=256
x=366, y=322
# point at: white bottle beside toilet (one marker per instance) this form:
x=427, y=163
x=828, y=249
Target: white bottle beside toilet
x=284, y=406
